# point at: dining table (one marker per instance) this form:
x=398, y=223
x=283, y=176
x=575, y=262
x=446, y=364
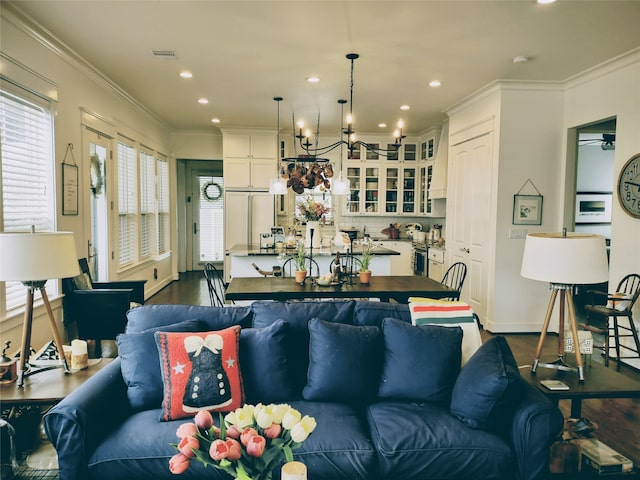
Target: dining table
x=385, y=287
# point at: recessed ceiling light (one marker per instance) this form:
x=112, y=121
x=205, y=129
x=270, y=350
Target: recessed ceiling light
x=215, y=120
x=544, y=2
x=404, y=107
x=186, y=74
x=313, y=79
x=203, y=101
x=520, y=59
x=435, y=83
x=382, y=125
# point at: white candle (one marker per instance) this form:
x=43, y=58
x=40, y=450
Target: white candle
x=79, y=355
x=294, y=471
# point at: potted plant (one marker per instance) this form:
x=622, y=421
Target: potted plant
x=300, y=261
x=365, y=259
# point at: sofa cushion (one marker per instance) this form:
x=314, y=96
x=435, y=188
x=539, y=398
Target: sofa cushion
x=339, y=448
x=297, y=315
x=344, y=362
x=200, y=371
x=140, y=363
x=420, y=363
x=418, y=441
x=372, y=313
x=151, y=316
x=264, y=364
x=487, y=386
x=448, y=313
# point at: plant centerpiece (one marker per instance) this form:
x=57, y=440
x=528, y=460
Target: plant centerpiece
x=314, y=214
x=367, y=254
x=249, y=444
x=300, y=261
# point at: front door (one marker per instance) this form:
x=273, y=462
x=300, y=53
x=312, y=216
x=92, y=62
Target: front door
x=208, y=219
x=97, y=148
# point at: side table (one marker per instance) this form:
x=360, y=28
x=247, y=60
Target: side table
x=44, y=389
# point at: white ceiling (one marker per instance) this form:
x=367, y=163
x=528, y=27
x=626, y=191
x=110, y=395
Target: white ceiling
x=243, y=53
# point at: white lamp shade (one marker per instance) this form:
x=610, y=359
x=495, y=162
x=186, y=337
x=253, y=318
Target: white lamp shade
x=574, y=259
x=37, y=256
x=277, y=186
x=340, y=186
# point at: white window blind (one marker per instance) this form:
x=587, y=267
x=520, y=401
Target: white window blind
x=164, y=235
x=147, y=204
x=127, y=203
x=26, y=169
x=211, y=222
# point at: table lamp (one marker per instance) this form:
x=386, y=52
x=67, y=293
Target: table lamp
x=564, y=260
x=33, y=258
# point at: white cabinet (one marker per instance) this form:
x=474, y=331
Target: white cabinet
x=400, y=264
x=400, y=190
x=365, y=189
x=249, y=159
x=429, y=206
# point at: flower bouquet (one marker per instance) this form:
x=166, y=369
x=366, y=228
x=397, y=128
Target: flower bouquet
x=311, y=210
x=249, y=444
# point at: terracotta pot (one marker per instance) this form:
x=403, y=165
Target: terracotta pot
x=365, y=277
x=300, y=275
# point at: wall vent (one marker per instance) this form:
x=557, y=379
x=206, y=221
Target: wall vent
x=162, y=53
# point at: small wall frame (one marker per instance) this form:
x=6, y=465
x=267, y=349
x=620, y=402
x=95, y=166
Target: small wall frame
x=527, y=209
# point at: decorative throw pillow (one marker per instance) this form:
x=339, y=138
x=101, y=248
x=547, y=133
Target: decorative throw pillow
x=140, y=364
x=200, y=371
x=421, y=363
x=344, y=362
x=487, y=385
x=265, y=365
x=454, y=314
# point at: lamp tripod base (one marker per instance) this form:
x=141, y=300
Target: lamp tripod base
x=560, y=364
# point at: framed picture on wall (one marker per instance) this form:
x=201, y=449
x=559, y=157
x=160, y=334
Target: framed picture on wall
x=69, y=189
x=527, y=209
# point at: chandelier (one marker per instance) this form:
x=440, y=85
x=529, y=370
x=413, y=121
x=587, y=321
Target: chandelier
x=310, y=170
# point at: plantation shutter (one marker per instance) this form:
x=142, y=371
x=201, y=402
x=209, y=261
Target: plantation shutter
x=26, y=171
x=164, y=236
x=147, y=204
x=127, y=202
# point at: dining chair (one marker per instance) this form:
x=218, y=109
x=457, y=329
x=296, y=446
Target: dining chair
x=618, y=304
x=215, y=285
x=289, y=266
x=454, y=278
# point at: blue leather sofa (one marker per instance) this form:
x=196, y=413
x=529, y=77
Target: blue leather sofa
x=357, y=367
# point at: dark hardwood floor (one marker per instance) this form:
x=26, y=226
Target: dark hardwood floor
x=618, y=420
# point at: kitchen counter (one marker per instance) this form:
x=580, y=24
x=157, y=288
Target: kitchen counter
x=242, y=256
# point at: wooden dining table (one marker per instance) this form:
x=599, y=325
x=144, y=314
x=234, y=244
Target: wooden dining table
x=398, y=288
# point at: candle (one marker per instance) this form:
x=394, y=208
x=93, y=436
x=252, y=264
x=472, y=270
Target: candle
x=79, y=355
x=294, y=471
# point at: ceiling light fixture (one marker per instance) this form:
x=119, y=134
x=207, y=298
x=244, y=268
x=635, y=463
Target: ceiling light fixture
x=186, y=74
x=203, y=101
x=313, y=151
x=313, y=79
x=435, y=83
x=520, y=59
x=404, y=107
x=215, y=120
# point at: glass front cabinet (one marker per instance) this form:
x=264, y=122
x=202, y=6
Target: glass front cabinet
x=365, y=190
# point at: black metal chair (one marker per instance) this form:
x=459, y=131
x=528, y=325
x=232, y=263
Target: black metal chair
x=454, y=278
x=215, y=284
x=348, y=265
x=289, y=266
x=98, y=310
x=616, y=305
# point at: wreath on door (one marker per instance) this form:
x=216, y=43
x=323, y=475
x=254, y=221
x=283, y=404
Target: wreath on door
x=97, y=175
x=211, y=191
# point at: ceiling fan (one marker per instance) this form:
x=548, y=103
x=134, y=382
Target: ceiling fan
x=607, y=142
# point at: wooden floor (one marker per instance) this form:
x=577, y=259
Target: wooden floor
x=618, y=420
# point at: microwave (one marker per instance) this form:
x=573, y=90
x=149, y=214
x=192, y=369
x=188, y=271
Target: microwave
x=593, y=207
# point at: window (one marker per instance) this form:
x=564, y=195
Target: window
x=27, y=195
x=164, y=235
x=127, y=203
x=147, y=205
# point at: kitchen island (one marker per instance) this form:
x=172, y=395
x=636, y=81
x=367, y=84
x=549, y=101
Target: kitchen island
x=240, y=258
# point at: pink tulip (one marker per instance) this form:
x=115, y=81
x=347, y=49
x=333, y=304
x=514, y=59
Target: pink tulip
x=179, y=463
x=256, y=446
x=204, y=419
x=187, y=445
x=235, y=450
x=273, y=431
x=218, y=450
x=216, y=431
x=187, y=430
x=233, y=432
x=247, y=434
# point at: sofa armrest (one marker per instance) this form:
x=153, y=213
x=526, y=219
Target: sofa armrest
x=536, y=424
x=77, y=424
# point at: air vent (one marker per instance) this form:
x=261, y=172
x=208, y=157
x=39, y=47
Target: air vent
x=167, y=54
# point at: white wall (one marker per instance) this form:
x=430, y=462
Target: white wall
x=80, y=89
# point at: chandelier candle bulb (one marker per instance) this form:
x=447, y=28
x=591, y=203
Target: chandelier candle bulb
x=294, y=471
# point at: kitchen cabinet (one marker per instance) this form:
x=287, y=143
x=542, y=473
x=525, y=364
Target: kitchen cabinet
x=249, y=159
x=365, y=189
x=400, y=190
x=400, y=265
x=428, y=206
